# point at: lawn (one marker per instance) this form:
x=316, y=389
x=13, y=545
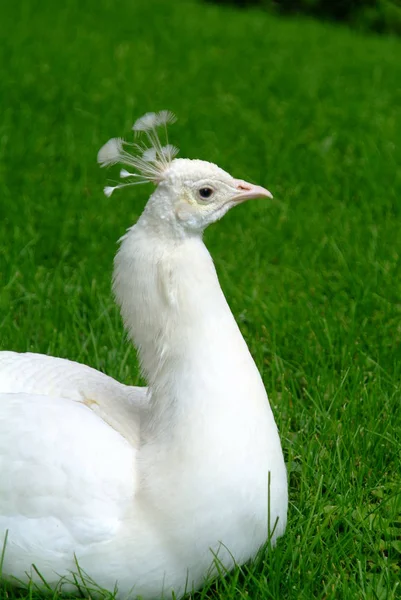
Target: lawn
x=313, y=112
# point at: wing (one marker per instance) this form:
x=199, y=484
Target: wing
x=67, y=481
x=117, y=404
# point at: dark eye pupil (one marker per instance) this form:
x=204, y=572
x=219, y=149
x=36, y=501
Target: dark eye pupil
x=205, y=192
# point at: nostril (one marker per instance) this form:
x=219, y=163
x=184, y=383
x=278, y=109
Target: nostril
x=243, y=187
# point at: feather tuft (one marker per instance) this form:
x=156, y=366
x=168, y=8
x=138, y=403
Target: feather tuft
x=108, y=190
x=110, y=153
x=165, y=117
x=169, y=152
x=124, y=174
x=149, y=155
x=148, y=121
x=148, y=159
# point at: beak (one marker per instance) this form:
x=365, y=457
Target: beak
x=248, y=191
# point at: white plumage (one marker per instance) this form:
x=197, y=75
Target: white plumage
x=143, y=487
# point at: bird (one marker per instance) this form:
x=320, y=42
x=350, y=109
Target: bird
x=146, y=491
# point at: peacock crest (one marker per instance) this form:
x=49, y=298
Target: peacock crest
x=148, y=157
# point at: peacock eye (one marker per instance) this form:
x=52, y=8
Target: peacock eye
x=205, y=192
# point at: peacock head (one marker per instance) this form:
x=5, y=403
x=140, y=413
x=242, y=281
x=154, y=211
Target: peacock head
x=190, y=194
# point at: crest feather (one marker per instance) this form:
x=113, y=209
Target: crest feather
x=149, y=155
x=148, y=121
x=169, y=152
x=166, y=117
x=109, y=154
x=149, y=158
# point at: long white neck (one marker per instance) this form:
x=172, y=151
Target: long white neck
x=192, y=353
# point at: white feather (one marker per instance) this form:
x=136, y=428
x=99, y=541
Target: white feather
x=108, y=190
x=149, y=155
x=165, y=117
x=124, y=174
x=146, y=122
x=110, y=153
x=169, y=152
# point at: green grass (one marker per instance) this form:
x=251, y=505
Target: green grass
x=311, y=111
